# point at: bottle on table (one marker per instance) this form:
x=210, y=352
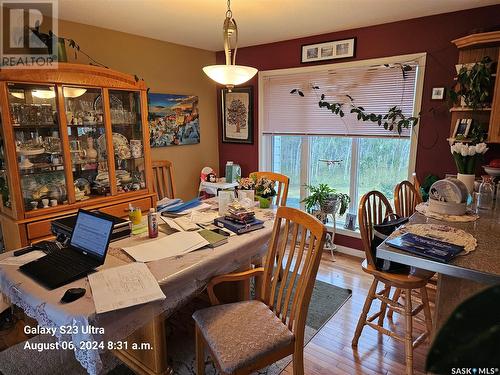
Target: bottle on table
x=485, y=194
x=152, y=223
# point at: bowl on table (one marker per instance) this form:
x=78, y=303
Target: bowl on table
x=492, y=171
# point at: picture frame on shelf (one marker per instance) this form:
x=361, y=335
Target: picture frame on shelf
x=438, y=93
x=237, y=115
x=336, y=49
x=462, y=128
x=350, y=221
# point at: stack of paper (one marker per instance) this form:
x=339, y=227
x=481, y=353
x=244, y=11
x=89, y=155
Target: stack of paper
x=23, y=259
x=124, y=286
x=170, y=246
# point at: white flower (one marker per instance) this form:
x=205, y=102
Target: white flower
x=481, y=148
x=464, y=150
x=472, y=151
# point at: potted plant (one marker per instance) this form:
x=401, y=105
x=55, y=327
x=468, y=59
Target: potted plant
x=326, y=199
x=264, y=191
x=246, y=188
x=474, y=84
x=466, y=156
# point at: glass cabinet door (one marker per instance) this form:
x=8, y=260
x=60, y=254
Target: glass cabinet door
x=87, y=141
x=127, y=140
x=38, y=145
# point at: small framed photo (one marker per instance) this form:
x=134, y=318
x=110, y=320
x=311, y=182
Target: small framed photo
x=350, y=221
x=337, y=49
x=437, y=93
x=237, y=115
x=462, y=128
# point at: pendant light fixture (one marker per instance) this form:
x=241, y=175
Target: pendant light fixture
x=230, y=74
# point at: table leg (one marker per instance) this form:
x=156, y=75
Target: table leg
x=149, y=361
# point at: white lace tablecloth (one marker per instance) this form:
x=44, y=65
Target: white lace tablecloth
x=180, y=278
x=469, y=215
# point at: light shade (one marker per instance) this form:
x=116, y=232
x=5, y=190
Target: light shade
x=230, y=75
x=44, y=94
x=73, y=92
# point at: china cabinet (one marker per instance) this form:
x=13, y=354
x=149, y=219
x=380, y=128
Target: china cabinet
x=72, y=137
x=471, y=49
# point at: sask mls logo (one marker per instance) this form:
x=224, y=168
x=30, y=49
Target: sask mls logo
x=21, y=41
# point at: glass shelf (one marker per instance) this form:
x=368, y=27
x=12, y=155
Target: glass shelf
x=34, y=119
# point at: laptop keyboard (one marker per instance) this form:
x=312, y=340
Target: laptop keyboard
x=66, y=262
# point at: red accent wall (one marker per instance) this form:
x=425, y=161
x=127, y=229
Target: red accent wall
x=431, y=34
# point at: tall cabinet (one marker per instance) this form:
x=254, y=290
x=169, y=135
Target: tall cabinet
x=72, y=137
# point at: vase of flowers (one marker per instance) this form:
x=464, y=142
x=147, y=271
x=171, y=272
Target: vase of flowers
x=246, y=188
x=466, y=157
x=264, y=191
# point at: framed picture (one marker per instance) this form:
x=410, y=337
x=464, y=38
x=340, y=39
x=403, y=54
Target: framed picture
x=337, y=49
x=237, y=115
x=437, y=93
x=173, y=120
x=350, y=221
x=462, y=128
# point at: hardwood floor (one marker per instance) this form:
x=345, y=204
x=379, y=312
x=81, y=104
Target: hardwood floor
x=330, y=352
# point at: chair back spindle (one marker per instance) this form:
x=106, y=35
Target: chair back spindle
x=163, y=179
x=295, y=251
x=406, y=198
x=373, y=209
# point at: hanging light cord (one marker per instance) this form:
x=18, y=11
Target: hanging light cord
x=228, y=30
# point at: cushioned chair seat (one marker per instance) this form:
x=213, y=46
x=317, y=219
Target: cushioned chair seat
x=242, y=333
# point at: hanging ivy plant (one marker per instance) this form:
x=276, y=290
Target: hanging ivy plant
x=473, y=85
x=393, y=119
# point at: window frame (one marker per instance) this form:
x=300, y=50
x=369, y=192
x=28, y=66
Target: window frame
x=266, y=142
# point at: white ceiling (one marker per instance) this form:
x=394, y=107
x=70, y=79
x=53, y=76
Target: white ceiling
x=198, y=23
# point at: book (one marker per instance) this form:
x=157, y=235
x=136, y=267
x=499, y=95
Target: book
x=427, y=247
x=239, y=228
x=214, y=239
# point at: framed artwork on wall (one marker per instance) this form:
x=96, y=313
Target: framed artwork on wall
x=337, y=49
x=438, y=93
x=237, y=115
x=173, y=120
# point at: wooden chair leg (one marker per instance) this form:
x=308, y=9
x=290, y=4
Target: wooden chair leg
x=383, y=306
x=200, y=353
x=298, y=360
x=395, y=298
x=427, y=310
x=408, y=333
x=366, y=309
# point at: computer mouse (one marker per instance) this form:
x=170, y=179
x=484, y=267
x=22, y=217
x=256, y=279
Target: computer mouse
x=72, y=294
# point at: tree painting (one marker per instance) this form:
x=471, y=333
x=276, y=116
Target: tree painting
x=237, y=114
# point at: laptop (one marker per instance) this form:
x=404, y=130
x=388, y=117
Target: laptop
x=86, y=250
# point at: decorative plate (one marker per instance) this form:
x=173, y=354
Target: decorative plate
x=83, y=185
x=114, y=101
x=120, y=146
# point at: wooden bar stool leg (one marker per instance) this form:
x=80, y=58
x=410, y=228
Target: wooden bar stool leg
x=408, y=333
x=427, y=310
x=200, y=353
x=383, y=306
x=395, y=298
x=366, y=309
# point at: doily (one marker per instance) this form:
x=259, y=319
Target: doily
x=423, y=208
x=442, y=233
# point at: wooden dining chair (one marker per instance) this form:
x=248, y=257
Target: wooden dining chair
x=406, y=198
x=245, y=336
x=373, y=208
x=283, y=182
x=163, y=179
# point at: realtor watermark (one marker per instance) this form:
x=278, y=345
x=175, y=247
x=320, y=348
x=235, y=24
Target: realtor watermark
x=28, y=30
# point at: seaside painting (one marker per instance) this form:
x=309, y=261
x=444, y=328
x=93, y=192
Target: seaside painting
x=173, y=120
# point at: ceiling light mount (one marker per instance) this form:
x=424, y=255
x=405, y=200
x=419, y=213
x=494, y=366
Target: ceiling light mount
x=230, y=74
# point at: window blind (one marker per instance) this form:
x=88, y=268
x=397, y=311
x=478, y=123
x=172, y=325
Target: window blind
x=375, y=88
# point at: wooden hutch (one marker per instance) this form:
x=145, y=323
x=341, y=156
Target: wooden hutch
x=472, y=49
x=72, y=137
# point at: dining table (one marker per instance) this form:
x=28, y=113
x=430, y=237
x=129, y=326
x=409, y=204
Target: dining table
x=181, y=278
x=465, y=275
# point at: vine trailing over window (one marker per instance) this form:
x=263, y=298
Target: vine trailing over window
x=393, y=119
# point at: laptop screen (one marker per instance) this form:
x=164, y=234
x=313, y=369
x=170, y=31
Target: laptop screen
x=91, y=233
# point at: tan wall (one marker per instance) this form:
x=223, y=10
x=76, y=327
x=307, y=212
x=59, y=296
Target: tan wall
x=167, y=68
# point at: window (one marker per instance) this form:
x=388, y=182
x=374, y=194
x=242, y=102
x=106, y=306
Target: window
x=312, y=146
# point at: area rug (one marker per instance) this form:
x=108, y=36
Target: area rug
x=326, y=300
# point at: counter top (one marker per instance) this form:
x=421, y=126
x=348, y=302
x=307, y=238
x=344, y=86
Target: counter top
x=481, y=265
